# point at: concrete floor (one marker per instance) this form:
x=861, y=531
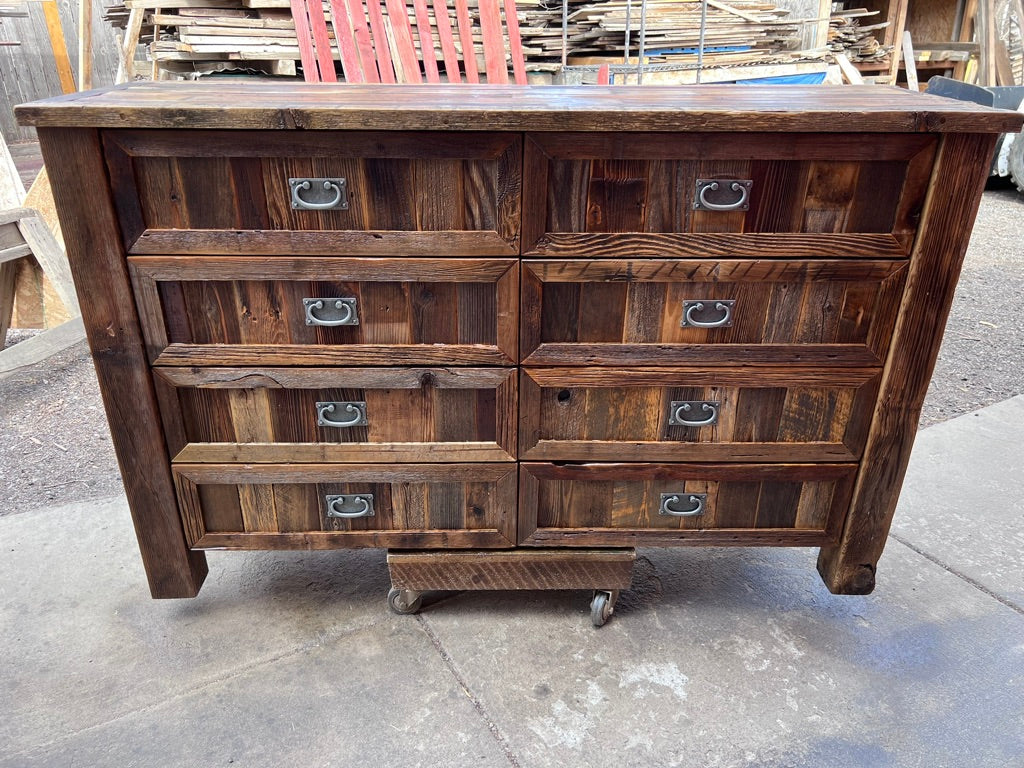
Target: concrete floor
x=715, y=658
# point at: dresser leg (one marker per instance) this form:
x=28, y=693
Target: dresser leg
x=843, y=578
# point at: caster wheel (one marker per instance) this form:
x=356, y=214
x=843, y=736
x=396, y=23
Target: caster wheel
x=601, y=608
x=404, y=601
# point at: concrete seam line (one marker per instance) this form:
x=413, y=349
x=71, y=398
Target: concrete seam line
x=477, y=704
x=949, y=569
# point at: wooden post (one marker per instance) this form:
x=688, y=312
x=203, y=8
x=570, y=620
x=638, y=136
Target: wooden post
x=59, y=46
x=909, y=64
x=126, y=69
x=84, y=45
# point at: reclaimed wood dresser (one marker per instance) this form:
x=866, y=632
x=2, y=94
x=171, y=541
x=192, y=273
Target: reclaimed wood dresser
x=513, y=330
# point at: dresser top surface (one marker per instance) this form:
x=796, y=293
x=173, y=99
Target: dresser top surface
x=281, y=106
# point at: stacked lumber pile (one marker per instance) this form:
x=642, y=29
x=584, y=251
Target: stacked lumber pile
x=210, y=35
x=858, y=41
x=737, y=32
x=184, y=36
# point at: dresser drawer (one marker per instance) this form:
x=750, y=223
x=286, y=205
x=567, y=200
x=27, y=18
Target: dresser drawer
x=788, y=414
x=361, y=415
x=289, y=311
x=678, y=504
x=791, y=195
x=323, y=506
x=228, y=192
x=661, y=312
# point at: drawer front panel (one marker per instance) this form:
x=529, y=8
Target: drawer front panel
x=691, y=414
x=227, y=311
x=641, y=194
x=659, y=312
x=229, y=192
x=268, y=415
x=679, y=504
x=292, y=507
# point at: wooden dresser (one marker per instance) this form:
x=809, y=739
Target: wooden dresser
x=558, y=321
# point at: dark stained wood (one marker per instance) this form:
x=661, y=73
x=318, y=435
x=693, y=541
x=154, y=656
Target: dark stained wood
x=599, y=414
x=551, y=229
x=92, y=238
x=409, y=310
x=269, y=415
x=516, y=569
x=754, y=504
x=459, y=505
x=640, y=188
x=180, y=192
x=822, y=311
x=751, y=245
x=848, y=567
x=288, y=106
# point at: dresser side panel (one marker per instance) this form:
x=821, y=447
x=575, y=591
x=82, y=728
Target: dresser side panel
x=962, y=162
x=74, y=159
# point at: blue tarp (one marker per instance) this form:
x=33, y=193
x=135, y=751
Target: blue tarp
x=811, y=78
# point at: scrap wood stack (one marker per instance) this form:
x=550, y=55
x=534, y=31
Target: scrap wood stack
x=849, y=35
x=212, y=35
x=739, y=32
x=209, y=35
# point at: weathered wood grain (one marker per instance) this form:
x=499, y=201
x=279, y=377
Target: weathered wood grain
x=517, y=569
x=515, y=108
x=458, y=505
x=848, y=566
x=785, y=311
x=429, y=194
x=753, y=504
x=411, y=311
x=92, y=237
x=270, y=415
x=575, y=414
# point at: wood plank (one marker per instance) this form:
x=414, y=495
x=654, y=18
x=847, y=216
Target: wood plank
x=352, y=354
x=715, y=246
x=300, y=14
x=352, y=243
x=513, y=108
x=59, y=46
x=342, y=453
x=51, y=258
x=41, y=346
x=524, y=569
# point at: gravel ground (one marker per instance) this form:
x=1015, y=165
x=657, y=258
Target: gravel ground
x=55, y=446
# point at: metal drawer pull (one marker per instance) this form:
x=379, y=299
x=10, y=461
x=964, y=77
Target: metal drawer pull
x=681, y=409
x=701, y=202
x=360, y=505
x=323, y=194
x=696, y=500
x=692, y=308
x=355, y=414
x=331, y=312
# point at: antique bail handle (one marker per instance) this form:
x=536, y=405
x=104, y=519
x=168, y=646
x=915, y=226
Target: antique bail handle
x=336, y=188
x=670, y=504
x=350, y=506
x=742, y=203
x=331, y=312
x=693, y=308
x=680, y=411
x=356, y=414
